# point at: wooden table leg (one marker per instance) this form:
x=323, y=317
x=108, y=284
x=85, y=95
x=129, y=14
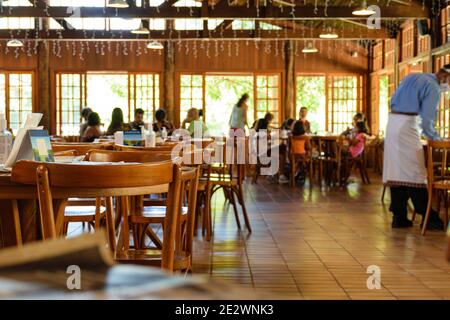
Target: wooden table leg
x=18, y=222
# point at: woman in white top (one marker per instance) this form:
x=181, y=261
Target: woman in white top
x=238, y=118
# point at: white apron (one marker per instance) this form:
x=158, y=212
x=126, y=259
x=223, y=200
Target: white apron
x=404, y=159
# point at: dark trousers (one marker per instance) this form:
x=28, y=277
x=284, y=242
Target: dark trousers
x=400, y=197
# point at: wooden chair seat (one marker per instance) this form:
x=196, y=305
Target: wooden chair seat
x=154, y=214
x=81, y=213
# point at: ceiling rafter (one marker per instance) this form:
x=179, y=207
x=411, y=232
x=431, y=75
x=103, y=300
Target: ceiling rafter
x=122, y=35
x=220, y=11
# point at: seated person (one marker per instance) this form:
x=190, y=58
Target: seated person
x=84, y=116
x=263, y=123
x=117, y=123
x=288, y=124
x=193, y=118
x=303, y=116
x=359, y=117
x=92, y=131
x=138, y=122
x=161, y=122
x=352, y=148
x=298, y=130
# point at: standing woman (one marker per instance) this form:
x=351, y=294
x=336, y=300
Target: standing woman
x=414, y=103
x=238, y=118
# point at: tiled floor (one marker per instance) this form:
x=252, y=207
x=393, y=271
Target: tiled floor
x=318, y=243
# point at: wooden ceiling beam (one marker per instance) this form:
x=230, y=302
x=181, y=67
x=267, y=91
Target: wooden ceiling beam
x=220, y=11
x=99, y=35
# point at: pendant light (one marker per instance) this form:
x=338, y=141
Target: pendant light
x=329, y=34
x=119, y=4
x=310, y=48
x=363, y=10
x=14, y=43
x=156, y=45
x=141, y=29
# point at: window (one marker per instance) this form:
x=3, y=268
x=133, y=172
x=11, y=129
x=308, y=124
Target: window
x=102, y=92
x=79, y=3
x=70, y=99
x=191, y=93
x=268, y=26
x=311, y=93
x=188, y=24
x=16, y=97
x=16, y=23
x=187, y=3
x=267, y=97
x=144, y=94
x=243, y=25
x=383, y=103
x=344, y=100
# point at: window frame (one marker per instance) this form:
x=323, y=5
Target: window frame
x=84, y=92
x=280, y=112
x=329, y=112
x=7, y=101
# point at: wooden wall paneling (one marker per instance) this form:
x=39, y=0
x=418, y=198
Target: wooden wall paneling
x=389, y=53
x=378, y=56
x=409, y=39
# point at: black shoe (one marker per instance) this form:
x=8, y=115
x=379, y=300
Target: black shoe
x=434, y=223
x=401, y=222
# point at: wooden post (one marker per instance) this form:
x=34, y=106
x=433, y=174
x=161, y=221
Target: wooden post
x=169, y=79
x=289, y=90
x=43, y=84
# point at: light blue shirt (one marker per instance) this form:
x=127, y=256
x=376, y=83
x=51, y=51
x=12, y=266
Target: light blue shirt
x=419, y=93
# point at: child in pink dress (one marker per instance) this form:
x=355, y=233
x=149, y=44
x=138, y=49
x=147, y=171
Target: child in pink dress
x=357, y=142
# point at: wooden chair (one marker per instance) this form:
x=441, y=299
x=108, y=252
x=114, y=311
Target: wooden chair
x=168, y=147
x=348, y=163
x=142, y=217
x=80, y=147
x=299, y=155
x=66, y=153
x=260, y=152
x=438, y=171
x=61, y=181
x=328, y=159
x=228, y=174
x=82, y=210
x=142, y=214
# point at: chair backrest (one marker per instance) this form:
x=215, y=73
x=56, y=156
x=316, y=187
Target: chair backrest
x=165, y=147
x=129, y=156
x=60, y=181
x=66, y=153
x=298, y=145
x=438, y=161
x=189, y=179
x=81, y=148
